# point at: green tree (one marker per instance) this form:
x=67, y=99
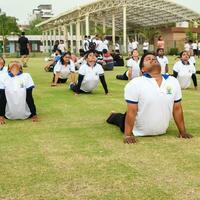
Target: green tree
x=8, y=25
x=32, y=29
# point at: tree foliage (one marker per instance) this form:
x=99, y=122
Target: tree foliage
x=8, y=25
x=32, y=29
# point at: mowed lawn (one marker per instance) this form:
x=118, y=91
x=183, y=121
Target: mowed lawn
x=72, y=153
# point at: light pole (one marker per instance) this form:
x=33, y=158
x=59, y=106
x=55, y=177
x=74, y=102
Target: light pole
x=2, y=14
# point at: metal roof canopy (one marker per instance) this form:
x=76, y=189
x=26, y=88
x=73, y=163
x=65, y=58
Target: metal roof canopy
x=139, y=12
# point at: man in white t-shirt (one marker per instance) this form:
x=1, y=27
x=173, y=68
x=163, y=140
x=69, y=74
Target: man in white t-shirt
x=194, y=48
x=130, y=47
x=135, y=44
x=151, y=99
x=99, y=45
x=61, y=46
x=187, y=46
x=105, y=44
x=184, y=71
x=16, y=101
x=86, y=44
x=145, y=47
x=162, y=59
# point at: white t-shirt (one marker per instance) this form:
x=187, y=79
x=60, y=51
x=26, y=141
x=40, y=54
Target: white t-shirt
x=91, y=76
x=134, y=45
x=134, y=66
x=117, y=47
x=146, y=46
x=163, y=62
x=61, y=47
x=3, y=70
x=130, y=47
x=187, y=47
x=194, y=46
x=99, y=45
x=199, y=46
x=105, y=44
x=184, y=73
x=15, y=90
x=64, y=70
x=192, y=60
x=155, y=104
x=85, y=45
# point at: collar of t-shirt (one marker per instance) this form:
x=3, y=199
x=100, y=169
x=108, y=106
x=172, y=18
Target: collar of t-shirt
x=2, y=68
x=91, y=65
x=12, y=75
x=188, y=63
x=135, y=60
x=147, y=75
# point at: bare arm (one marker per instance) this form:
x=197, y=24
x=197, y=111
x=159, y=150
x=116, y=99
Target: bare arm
x=56, y=79
x=166, y=68
x=129, y=74
x=72, y=77
x=179, y=120
x=129, y=123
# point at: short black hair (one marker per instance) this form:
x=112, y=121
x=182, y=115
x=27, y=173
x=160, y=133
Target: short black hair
x=59, y=51
x=182, y=53
x=105, y=51
x=159, y=50
x=143, y=57
x=23, y=33
x=90, y=51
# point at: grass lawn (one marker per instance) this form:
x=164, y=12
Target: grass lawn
x=73, y=154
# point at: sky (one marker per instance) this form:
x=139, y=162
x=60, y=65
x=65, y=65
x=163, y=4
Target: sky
x=21, y=9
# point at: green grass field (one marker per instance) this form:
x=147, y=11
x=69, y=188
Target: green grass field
x=72, y=153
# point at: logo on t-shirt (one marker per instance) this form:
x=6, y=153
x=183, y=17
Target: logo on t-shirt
x=169, y=89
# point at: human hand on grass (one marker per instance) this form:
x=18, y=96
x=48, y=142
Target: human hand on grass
x=35, y=118
x=53, y=84
x=185, y=135
x=2, y=120
x=129, y=139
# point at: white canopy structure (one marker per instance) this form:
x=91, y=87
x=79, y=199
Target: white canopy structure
x=117, y=14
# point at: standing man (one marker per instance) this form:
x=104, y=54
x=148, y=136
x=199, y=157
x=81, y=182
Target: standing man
x=151, y=101
x=24, y=48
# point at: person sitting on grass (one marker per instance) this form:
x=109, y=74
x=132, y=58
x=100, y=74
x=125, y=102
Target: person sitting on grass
x=50, y=66
x=133, y=67
x=151, y=101
x=16, y=100
x=184, y=71
x=80, y=60
x=162, y=59
x=3, y=68
x=89, y=75
x=63, y=70
x=108, y=63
